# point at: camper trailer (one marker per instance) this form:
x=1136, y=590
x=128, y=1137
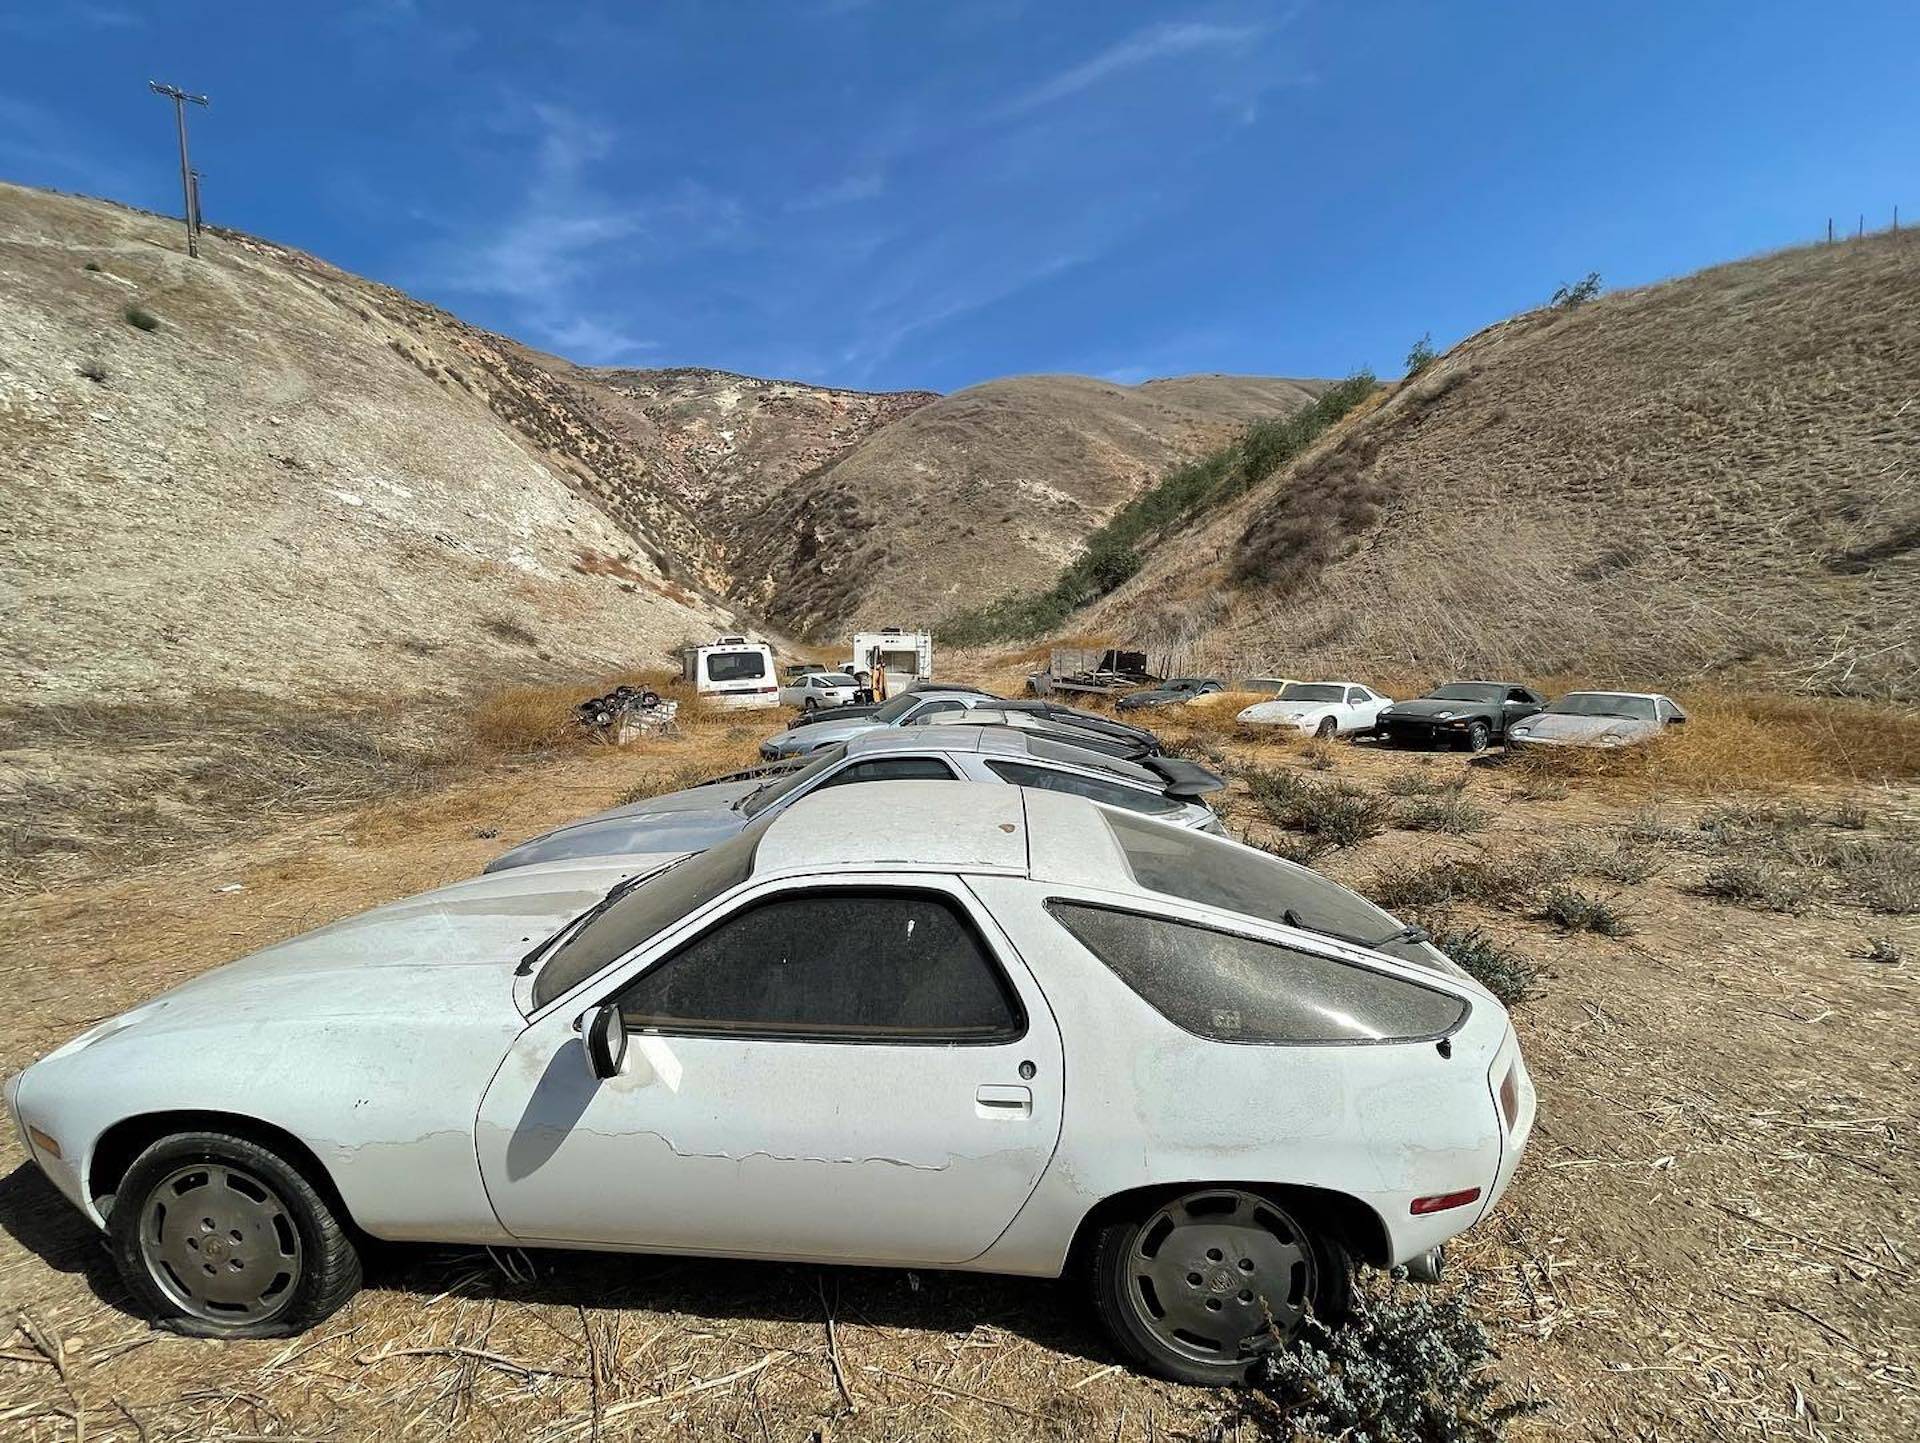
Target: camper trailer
x=733, y=672
x=906, y=656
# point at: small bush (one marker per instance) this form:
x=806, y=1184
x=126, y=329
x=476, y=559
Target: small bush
x=1299, y=848
x=1884, y=950
x=91, y=266
x=1446, y=880
x=1421, y=354
x=1576, y=911
x=94, y=372
x=1318, y=755
x=1414, y=784
x=1448, y=812
x=1339, y=812
x=1579, y=293
x=1849, y=816
x=140, y=318
x=1623, y=862
x=1409, y=1366
x=1755, y=884
x=1502, y=970
x=1884, y=875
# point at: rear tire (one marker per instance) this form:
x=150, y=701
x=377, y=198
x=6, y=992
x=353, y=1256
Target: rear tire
x=1198, y=1286
x=811, y=704
x=219, y=1237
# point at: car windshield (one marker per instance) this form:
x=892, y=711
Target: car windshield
x=1604, y=703
x=1310, y=691
x=891, y=712
x=1217, y=873
x=654, y=905
x=1186, y=683
x=787, y=783
x=1469, y=691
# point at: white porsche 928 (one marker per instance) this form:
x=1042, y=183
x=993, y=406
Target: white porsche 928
x=959, y=1026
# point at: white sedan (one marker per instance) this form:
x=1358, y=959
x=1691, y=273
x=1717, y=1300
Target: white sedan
x=818, y=690
x=1319, y=708
x=957, y=1026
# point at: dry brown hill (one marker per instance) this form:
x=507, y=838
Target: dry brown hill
x=1712, y=475
x=984, y=492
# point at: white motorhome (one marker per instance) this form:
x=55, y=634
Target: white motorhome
x=733, y=671
x=906, y=656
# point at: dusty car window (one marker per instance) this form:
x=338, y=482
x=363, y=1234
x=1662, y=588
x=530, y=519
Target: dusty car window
x=1240, y=989
x=1467, y=691
x=893, y=769
x=1112, y=793
x=1309, y=691
x=649, y=908
x=1603, y=703
x=1217, y=873
x=840, y=965
x=774, y=788
x=736, y=666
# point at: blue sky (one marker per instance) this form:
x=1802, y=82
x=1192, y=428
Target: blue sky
x=887, y=193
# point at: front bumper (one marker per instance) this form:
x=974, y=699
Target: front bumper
x=1422, y=732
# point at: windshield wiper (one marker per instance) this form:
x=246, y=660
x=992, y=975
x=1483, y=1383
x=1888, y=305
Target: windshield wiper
x=1408, y=933
x=614, y=894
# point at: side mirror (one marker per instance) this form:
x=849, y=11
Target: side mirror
x=1675, y=720
x=604, y=1035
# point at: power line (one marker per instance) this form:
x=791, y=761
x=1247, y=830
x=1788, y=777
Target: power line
x=188, y=189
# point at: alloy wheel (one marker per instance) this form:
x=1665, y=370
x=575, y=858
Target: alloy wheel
x=220, y=1243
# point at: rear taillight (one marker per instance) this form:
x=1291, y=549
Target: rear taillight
x=1510, y=1095
x=1439, y=1202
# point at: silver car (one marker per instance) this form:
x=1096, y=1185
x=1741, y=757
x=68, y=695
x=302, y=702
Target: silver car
x=1597, y=719
x=902, y=710
x=1166, y=788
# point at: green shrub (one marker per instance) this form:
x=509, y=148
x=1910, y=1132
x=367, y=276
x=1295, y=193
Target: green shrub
x=1883, y=874
x=1444, y=881
x=1504, y=971
x=1339, y=813
x=1749, y=883
x=140, y=318
x=1579, y=293
x=1408, y=1366
x=1577, y=911
x=1421, y=355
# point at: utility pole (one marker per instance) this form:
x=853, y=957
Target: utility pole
x=199, y=216
x=180, y=98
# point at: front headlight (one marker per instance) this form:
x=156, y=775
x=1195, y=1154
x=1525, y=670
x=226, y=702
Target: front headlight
x=1443, y=716
x=1611, y=740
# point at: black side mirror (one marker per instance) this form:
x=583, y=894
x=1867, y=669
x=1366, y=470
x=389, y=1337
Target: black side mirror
x=603, y=1032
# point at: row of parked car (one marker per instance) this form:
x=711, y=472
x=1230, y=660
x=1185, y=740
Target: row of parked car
x=1011, y=1004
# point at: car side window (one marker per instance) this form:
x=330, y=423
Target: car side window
x=1134, y=799
x=892, y=769
x=1231, y=988
x=1355, y=695
x=837, y=965
x=933, y=708
x=1520, y=694
x=1666, y=710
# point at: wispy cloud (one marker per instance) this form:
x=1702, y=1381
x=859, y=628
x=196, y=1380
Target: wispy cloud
x=848, y=190
x=1144, y=47
x=565, y=231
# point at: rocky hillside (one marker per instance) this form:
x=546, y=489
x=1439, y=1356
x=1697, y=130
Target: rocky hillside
x=1716, y=475
x=981, y=493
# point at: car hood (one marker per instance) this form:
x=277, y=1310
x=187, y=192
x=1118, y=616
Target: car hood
x=623, y=832
x=1427, y=706
x=827, y=732
x=1283, y=710
x=448, y=954
x=1560, y=727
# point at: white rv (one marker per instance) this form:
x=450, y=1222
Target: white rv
x=733, y=672
x=906, y=656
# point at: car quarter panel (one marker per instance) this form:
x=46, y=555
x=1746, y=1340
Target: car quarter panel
x=1149, y=1104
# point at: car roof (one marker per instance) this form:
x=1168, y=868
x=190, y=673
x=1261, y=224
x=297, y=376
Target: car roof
x=1050, y=745
x=937, y=826
x=1331, y=683
x=1597, y=691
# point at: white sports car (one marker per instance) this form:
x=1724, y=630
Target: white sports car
x=959, y=1026
x=1319, y=708
x=819, y=690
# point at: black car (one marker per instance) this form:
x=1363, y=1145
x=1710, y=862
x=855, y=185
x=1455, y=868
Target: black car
x=1471, y=713
x=1172, y=692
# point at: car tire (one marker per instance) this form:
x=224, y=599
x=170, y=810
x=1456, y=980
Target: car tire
x=811, y=704
x=1327, y=729
x=1479, y=736
x=261, y=1212
x=1196, y=1337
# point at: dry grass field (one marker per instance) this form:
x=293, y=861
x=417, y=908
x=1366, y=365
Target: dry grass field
x=1713, y=1236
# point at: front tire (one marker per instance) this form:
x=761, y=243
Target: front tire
x=1328, y=726
x=219, y=1237
x=1199, y=1286
x=1478, y=736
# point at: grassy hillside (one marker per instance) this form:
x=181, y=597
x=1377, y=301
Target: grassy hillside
x=1716, y=475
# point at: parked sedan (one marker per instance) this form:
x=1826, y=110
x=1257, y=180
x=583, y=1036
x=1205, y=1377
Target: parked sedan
x=1176, y=691
x=843, y=1036
x=1067, y=733
x=1464, y=713
x=1597, y=719
x=799, y=740
x=704, y=816
x=819, y=690
x=1319, y=708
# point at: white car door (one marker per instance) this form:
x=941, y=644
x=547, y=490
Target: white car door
x=1361, y=711
x=854, y=1069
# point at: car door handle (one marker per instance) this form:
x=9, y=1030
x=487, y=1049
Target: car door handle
x=993, y=1099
